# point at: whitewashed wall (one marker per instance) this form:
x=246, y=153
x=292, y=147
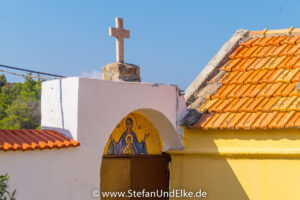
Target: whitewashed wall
x=87, y=110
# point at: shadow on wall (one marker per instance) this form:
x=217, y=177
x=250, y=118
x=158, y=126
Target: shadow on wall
x=210, y=174
x=213, y=175
x=61, y=105
x=205, y=171
x=60, y=130
x=169, y=133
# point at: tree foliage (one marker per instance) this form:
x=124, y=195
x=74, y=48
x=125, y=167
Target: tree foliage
x=4, y=193
x=20, y=104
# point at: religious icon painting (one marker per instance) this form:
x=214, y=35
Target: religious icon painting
x=134, y=135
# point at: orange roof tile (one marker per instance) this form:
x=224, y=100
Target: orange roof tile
x=260, y=87
x=12, y=140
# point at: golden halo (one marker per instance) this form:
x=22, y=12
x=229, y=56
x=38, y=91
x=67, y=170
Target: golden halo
x=129, y=136
x=134, y=125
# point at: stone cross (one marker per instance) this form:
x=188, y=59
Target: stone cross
x=120, y=34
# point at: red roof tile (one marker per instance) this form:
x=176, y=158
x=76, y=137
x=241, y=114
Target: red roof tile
x=259, y=87
x=24, y=139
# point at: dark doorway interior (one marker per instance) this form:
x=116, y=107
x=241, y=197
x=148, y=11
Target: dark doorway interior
x=137, y=173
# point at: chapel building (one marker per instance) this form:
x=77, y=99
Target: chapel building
x=234, y=134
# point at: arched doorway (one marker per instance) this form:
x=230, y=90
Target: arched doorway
x=133, y=162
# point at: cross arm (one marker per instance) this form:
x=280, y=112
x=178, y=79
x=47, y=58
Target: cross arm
x=120, y=33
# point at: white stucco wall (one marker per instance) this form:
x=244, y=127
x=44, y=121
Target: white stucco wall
x=60, y=106
x=87, y=110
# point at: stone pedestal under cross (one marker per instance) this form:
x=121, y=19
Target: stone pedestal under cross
x=120, y=33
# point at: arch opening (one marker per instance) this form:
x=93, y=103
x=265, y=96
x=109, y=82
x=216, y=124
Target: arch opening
x=133, y=158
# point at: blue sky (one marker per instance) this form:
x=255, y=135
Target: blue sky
x=170, y=40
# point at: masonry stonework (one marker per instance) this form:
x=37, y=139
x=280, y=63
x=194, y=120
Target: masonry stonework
x=121, y=72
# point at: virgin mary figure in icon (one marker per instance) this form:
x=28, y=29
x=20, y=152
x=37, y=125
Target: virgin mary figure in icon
x=128, y=143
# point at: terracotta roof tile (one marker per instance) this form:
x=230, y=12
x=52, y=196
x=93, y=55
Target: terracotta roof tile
x=231, y=64
x=257, y=42
x=275, y=75
x=260, y=118
x=295, y=105
x=260, y=87
x=265, y=78
x=296, y=62
x=214, y=107
x=249, y=42
x=248, y=124
x=270, y=64
x=235, y=119
x=204, y=118
x=11, y=140
x=247, y=93
x=217, y=95
x=245, y=76
x=250, y=51
x=292, y=121
x=257, y=89
x=297, y=122
x=275, y=120
x=232, y=76
x=278, y=61
x=244, y=107
x=245, y=66
x=294, y=40
x=291, y=62
x=237, y=52
x=232, y=94
x=225, y=79
x=251, y=77
x=278, y=41
x=265, y=41
x=220, y=119
x=281, y=77
x=244, y=52
x=297, y=52
x=285, y=51
x=278, y=105
x=288, y=89
x=237, y=106
x=258, y=76
x=230, y=106
x=296, y=78
x=285, y=62
x=236, y=79
x=266, y=122
x=270, y=52
x=204, y=107
x=241, y=123
x=210, y=120
x=254, y=104
x=255, y=53
x=293, y=49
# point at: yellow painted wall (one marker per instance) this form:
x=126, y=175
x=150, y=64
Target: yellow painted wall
x=141, y=126
x=239, y=164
